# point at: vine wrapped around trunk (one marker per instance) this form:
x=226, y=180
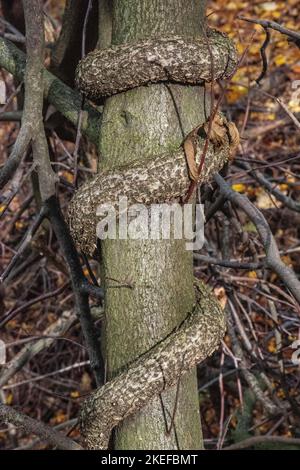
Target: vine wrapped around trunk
x=177, y=59
x=192, y=342
x=164, y=178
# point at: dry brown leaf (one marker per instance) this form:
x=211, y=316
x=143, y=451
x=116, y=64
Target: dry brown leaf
x=190, y=154
x=218, y=131
x=234, y=137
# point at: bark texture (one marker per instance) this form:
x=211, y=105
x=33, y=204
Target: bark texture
x=144, y=122
x=192, y=342
x=179, y=59
x=164, y=178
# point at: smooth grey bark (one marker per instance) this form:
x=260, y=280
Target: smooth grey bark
x=104, y=23
x=141, y=123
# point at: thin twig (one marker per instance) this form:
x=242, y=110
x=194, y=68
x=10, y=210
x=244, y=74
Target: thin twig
x=59, y=328
x=287, y=201
x=81, y=287
x=273, y=260
x=255, y=440
x=46, y=433
x=232, y=264
x=276, y=26
x=80, y=116
x=264, y=56
x=65, y=99
x=28, y=237
x=250, y=378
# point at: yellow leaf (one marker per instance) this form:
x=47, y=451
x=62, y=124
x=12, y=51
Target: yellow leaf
x=252, y=275
x=268, y=6
x=67, y=175
x=235, y=92
x=239, y=187
x=280, y=59
x=240, y=47
x=254, y=49
x=74, y=394
x=280, y=393
x=9, y=399
x=250, y=227
x=272, y=345
x=291, y=179
x=19, y=225
x=85, y=383
x=86, y=272
x=232, y=6
x=282, y=44
x=294, y=105
x=271, y=116
x=59, y=417
x=261, y=116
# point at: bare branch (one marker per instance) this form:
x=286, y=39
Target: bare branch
x=249, y=377
x=65, y=100
x=276, y=26
x=273, y=260
x=46, y=433
x=12, y=313
x=34, y=95
x=258, y=176
x=81, y=287
x=232, y=264
x=32, y=114
x=11, y=116
x=24, y=243
x=252, y=441
x=12, y=29
x=264, y=56
x=58, y=328
x=19, y=149
x=33, y=117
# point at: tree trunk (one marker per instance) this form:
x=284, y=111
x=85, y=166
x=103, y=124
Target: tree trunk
x=141, y=123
